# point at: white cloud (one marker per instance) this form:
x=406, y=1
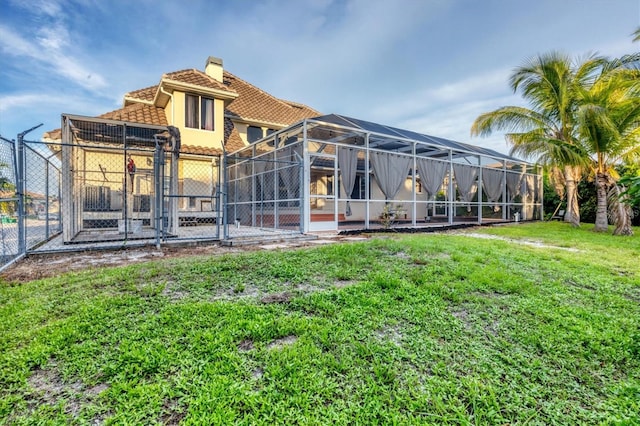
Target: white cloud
x=11, y=102
x=48, y=46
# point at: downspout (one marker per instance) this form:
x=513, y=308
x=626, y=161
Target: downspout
x=170, y=95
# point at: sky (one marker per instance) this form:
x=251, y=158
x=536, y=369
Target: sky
x=430, y=66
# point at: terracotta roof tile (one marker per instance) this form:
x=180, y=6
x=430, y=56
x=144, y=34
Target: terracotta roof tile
x=254, y=104
x=197, y=78
x=199, y=150
x=232, y=140
x=139, y=113
x=147, y=94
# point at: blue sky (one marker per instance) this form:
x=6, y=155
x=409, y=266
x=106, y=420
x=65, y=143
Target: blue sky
x=431, y=66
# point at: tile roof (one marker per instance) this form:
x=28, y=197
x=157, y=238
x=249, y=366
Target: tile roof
x=232, y=140
x=138, y=113
x=147, y=94
x=199, y=150
x=254, y=104
x=197, y=78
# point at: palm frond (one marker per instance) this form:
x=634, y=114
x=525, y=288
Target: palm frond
x=511, y=119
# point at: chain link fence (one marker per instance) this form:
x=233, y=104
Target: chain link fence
x=195, y=200
x=8, y=203
x=42, y=179
x=104, y=184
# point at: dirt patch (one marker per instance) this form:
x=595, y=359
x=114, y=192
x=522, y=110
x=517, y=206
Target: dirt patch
x=284, y=297
x=489, y=294
x=580, y=285
x=245, y=346
x=172, y=412
x=391, y=333
x=282, y=342
x=633, y=295
x=49, y=388
x=463, y=316
x=38, y=266
x=344, y=283
x=538, y=244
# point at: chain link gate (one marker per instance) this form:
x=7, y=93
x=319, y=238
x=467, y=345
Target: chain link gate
x=264, y=194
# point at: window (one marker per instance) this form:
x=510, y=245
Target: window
x=254, y=133
x=198, y=112
x=359, y=188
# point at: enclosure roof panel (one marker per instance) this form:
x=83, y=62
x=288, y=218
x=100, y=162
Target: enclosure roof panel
x=135, y=113
x=394, y=132
x=254, y=104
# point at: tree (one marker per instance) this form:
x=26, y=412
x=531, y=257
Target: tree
x=547, y=130
x=608, y=121
x=636, y=35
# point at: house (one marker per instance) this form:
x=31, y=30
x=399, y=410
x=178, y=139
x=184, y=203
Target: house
x=110, y=168
x=213, y=109
x=285, y=167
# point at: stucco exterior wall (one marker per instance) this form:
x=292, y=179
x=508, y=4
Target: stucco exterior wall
x=198, y=137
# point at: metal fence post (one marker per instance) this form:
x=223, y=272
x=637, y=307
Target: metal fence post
x=20, y=189
x=158, y=176
x=225, y=199
x=218, y=199
x=301, y=189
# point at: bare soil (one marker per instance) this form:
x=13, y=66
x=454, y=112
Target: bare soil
x=49, y=265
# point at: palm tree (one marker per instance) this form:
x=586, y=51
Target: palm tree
x=609, y=127
x=547, y=130
x=636, y=35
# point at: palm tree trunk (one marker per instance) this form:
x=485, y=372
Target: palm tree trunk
x=602, y=223
x=572, y=215
x=622, y=214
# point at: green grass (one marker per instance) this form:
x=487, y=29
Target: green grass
x=402, y=329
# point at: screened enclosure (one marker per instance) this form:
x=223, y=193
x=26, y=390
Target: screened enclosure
x=356, y=174
x=125, y=181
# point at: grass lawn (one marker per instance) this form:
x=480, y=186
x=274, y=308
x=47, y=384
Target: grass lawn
x=398, y=329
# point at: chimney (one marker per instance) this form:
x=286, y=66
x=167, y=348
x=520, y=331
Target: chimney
x=214, y=68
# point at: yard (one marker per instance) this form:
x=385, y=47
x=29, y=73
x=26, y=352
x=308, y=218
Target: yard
x=527, y=324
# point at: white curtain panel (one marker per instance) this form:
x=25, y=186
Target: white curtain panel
x=531, y=188
x=492, y=182
x=207, y=114
x=513, y=183
x=390, y=171
x=432, y=174
x=347, y=163
x=466, y=180
x=289, y=170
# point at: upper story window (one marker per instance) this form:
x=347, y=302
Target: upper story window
x=254, y=133
x=198, y=112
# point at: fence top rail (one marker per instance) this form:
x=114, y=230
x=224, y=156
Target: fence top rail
x=73, y=117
